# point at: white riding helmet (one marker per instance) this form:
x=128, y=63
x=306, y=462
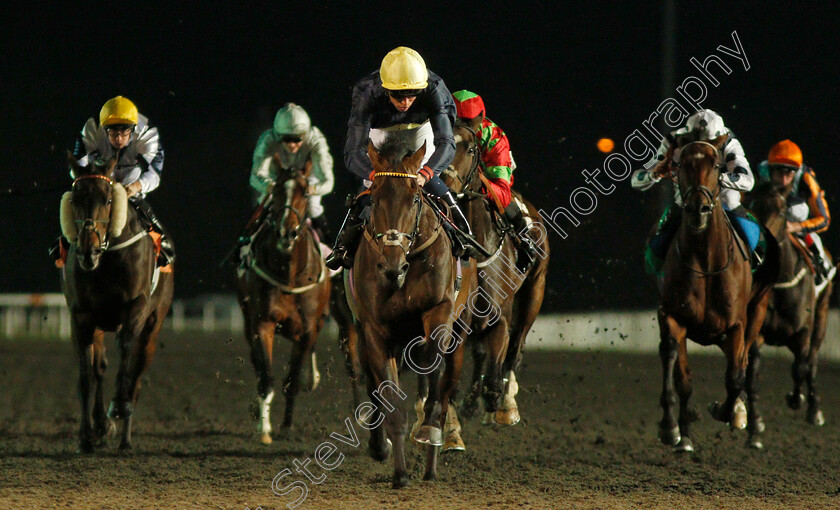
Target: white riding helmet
x=291, y=120
x=705, y=124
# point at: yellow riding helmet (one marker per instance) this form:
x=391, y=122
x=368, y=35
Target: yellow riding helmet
x=118, y=110
x=402, y=69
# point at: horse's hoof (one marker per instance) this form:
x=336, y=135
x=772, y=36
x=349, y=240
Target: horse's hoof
x=84, y=448
x=383, y=454
x=453, y=443
x=107, y=429
x=507, y=416
x=488, y=418
x=400, y=481
x=739, y=416
x=265, y=438
x=756, y=425
x=670, y=437
x=429, y=435
x=684, y=446
x=755, y=443
x=816, y=418
x=795, y=401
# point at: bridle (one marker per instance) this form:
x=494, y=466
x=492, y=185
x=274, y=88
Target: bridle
x=279, y=224
x=475, y=153
x=394, y=237
x=90, y=223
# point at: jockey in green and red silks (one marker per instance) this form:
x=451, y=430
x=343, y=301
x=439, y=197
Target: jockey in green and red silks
x=498, y=167
x=494, y=143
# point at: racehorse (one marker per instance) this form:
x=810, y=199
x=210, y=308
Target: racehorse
x=403, y=279
x=283, y=286
x=108, y=283
x=708, y=295
x=796, y=316
x=501, y=335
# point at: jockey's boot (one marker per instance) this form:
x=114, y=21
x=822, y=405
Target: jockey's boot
x=822, y=267
x=348, y=238
x=319, y=223
x=465, y=250
x=167, y=249
x=526, y=250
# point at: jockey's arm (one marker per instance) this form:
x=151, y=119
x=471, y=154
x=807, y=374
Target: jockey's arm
x=495, y=154
x=321, y=179
x=261, y=175
x=738, y=175
x=151, y=163
x=819, y=217
x=644, y=178
x=442, y=118
x=358, y=130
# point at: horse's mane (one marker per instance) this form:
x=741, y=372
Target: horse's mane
x=396, y=147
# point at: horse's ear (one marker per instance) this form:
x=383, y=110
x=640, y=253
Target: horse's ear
x=719, y=141
x=109, y=168
x=413, y=162
x=375, y=158
x=475, y=122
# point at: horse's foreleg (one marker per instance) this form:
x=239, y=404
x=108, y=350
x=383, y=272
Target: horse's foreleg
x=682, y=381
x=301, y=353
x=815, y=414
x=260, y=335
x=348, y=340
x=102, y=424
x=671, y=335
x=800, y=347
x=83, y=341
x=479, y=354
x=452, y=440
x=755, y=423
x=497, y=343
x=733, y=411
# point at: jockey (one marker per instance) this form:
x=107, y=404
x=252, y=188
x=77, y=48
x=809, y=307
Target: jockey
x=295, y=140
x=128, y=136
x=807, y=209
x=402, y=96
x=704, y=125
x=498, y=167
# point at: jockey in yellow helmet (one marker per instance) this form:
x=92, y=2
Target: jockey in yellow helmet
x=402, y=96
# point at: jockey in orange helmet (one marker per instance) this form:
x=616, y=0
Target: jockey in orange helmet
x=807, y=209
x=498, y=166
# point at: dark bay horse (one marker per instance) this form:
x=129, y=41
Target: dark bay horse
x=283, y=286
x=796, y=316
x=404, y=275
x=108, y=283
x=496, y=337
x=708, y=295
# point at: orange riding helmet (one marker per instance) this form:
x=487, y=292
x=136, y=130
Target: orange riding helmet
x=785, y=153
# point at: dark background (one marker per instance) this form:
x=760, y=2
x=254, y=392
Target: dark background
x=556, y=79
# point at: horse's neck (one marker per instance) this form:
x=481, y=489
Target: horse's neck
x=709, y=244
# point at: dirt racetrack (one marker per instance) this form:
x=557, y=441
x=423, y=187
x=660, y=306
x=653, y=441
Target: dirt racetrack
x=587, y=439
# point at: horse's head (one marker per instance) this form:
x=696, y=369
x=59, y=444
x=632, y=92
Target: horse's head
x=461, y=173
x=290, y=202
x=396, y=204
x=767, y=201
x=699, y=171
x=94, y=212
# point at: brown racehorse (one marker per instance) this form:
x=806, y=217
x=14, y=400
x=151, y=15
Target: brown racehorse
x=500, y=335
x=796, y=316
x=708, y=295
x=404, y=275
x=107, y=281
x=283, y=286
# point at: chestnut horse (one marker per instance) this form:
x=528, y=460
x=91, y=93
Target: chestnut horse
x=708, y=295
x=283, y=286
x=500, y=334
x=796, y=316
x=404, y=285
x=107, y=280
